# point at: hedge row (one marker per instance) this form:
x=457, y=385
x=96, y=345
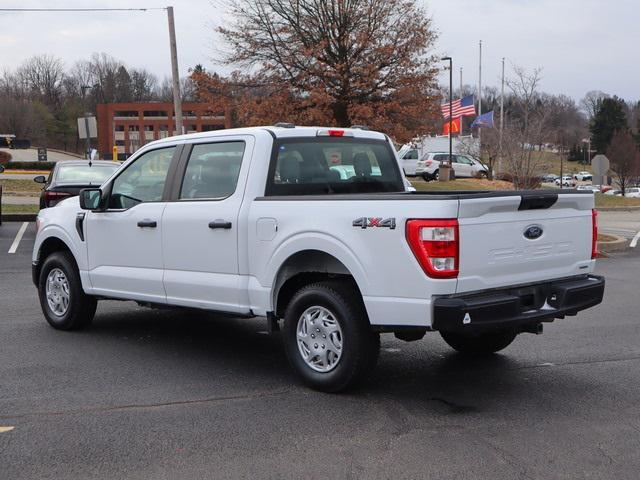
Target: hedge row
x=29, y=165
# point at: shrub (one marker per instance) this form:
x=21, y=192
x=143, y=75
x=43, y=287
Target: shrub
x=29, y=165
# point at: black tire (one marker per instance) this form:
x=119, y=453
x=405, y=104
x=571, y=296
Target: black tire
x=360, y=345
x=81, y=307
x=480, y=344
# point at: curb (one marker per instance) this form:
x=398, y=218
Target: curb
x=19, y=217
x=617, y=245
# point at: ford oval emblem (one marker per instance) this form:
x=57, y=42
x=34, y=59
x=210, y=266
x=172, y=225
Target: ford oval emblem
x=533, y=231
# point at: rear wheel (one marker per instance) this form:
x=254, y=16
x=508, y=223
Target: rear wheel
x=63, y=302
x=431, y=176
x=480, y=344
x=327, y=337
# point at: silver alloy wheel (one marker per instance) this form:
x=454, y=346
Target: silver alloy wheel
x=57, y=292
x=319, y=339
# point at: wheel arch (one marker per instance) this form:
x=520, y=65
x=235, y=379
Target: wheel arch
x=303, y=268
x=49, y=245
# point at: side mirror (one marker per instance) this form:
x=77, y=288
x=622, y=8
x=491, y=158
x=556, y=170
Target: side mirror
x=90, y=198
x=40, y=179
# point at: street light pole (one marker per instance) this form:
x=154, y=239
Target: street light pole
x=447, y=172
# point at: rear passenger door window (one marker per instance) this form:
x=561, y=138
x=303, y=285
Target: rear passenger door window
x=212, y=171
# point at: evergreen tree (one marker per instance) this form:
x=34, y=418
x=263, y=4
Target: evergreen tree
x=609, y=118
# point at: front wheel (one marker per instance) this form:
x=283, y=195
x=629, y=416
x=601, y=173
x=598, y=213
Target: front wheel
x=480, y=344
x=63, y=302
x=327, y=337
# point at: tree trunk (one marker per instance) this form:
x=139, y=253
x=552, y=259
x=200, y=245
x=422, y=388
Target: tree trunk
x=341, y=114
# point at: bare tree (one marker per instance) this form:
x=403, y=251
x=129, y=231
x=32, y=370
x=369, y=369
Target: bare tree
x=625, y=159
x=527, y=126
x=43, y=75
x=591, y=102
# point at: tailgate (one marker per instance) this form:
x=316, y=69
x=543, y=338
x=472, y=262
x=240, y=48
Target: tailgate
x=524, y=238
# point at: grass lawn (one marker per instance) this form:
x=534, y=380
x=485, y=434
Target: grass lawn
x=461, y=184
x=11, y=185
x=477, y=184
x=549, y=162
x=613, y=201
x=20, y=208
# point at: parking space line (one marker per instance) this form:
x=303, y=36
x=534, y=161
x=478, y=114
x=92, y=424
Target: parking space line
x=16, y=241
x=634, y=242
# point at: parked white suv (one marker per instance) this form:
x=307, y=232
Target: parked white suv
x=314, y=228
x=567, y=181
x=408, y=160
x=583, y=176
x=463, y=166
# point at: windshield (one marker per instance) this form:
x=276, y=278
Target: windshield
x=85, y=174
x=317, y=165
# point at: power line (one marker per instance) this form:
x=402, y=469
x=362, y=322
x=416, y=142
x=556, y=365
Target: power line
x=79, y=9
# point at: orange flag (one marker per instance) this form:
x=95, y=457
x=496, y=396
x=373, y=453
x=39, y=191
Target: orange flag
x=455, y=126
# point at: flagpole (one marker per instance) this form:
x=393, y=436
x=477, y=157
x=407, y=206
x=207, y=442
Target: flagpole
x=445, y=173
x=460, y=132
x=480, y=99
x=501, y=119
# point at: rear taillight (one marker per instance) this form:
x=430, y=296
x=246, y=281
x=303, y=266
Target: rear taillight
x=51, y=198
x=428, y=163
x=594, y=233
x=435, y=244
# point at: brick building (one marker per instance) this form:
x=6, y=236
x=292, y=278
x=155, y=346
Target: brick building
x=131, y=125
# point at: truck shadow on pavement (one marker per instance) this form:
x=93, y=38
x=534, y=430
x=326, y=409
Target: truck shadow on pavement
x=199, y=346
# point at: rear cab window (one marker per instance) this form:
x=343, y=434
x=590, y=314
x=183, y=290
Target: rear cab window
x=84, y=174
x=319, y=165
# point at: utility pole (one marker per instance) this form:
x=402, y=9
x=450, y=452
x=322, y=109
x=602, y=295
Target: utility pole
x=177, y=99
x=87, y=146
x=501, y=120
x=480, y=97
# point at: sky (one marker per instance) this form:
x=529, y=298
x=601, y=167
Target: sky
x=580, y=45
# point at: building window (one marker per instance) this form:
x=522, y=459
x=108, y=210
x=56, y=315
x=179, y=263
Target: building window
x=125, y=113
x=148, y=128
x=155, y=113
x=119, y=128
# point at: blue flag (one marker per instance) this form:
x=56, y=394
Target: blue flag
x=483, y=121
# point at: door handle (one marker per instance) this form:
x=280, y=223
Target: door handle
x=147, y=223
x=220, y=224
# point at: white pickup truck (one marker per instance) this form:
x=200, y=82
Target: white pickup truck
x=315, y=227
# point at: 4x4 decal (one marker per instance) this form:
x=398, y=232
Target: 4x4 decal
x=372, y=222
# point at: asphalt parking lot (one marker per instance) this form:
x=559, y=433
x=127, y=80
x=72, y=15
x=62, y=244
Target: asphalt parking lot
x=164, y=394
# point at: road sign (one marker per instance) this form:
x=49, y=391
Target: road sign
x=42, y=154
x=87, y=124
x=600, y=165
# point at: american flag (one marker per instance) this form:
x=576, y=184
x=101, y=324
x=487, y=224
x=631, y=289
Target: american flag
x=461, y=107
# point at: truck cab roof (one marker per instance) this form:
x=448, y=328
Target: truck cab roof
x=277, y=132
